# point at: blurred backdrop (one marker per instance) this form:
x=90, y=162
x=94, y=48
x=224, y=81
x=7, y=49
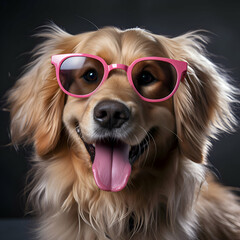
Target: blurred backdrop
x=21, y=19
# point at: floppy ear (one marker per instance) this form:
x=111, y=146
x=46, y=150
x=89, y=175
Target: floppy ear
x=203, y=101
x=36, y=102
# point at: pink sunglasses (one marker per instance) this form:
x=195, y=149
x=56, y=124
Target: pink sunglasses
x=155, y=79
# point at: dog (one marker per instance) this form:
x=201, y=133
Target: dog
x=121, y=122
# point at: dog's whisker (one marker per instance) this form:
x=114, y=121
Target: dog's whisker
x=171, y=132
x=147, y=135
x=138, y=143
x=150, y=137
x=155, y=148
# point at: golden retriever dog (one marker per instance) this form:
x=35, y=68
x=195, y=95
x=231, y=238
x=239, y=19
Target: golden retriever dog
x=121, y=123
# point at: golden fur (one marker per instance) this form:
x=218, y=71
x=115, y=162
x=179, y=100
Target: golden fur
x=170, y=195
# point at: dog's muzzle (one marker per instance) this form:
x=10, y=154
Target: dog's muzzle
x=112, y=158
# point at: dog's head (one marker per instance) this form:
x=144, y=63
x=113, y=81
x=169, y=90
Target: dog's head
x=114, y=131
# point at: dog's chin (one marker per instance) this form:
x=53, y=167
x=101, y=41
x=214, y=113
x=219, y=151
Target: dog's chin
x=112, y=159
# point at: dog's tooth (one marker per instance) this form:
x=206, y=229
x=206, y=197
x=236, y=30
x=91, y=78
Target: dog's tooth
x=78, y=130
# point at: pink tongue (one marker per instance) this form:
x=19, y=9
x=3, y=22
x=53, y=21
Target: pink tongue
x=111, y=168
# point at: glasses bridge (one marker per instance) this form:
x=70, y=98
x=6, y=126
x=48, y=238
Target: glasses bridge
x=117, y=66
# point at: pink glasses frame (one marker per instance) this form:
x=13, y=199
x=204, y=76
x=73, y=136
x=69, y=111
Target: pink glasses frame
x=180, y=66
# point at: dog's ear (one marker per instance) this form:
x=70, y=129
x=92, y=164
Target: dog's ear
x=36, y=102
x=203, y=101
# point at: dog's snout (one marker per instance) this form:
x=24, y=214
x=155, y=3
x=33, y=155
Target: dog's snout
x=111, y=114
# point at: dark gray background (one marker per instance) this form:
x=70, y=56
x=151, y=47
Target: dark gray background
x=20, y=20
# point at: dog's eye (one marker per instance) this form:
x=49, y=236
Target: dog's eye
x=145, y=78
x=91, y=76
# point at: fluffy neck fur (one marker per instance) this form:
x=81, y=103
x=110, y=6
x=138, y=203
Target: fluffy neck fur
x=149, y=210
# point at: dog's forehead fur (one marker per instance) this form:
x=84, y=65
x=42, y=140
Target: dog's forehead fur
x=117, y=46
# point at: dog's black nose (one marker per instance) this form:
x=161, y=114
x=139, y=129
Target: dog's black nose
x=111, y=114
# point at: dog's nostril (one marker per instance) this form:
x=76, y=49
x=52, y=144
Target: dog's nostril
x=100, y=114
x=111, y=114
x=120, y=115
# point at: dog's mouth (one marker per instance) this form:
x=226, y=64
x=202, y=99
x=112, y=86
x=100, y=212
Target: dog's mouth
x=112, y=160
